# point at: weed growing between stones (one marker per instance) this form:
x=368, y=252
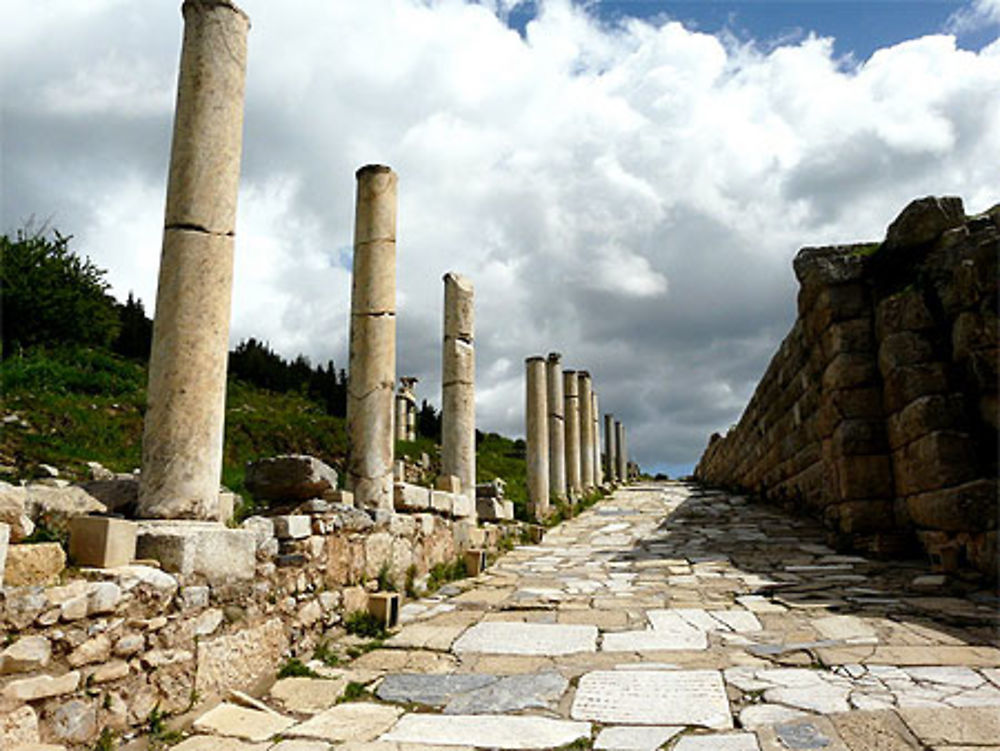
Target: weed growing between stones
x=361, y=649
x=386, y=581
x=442, y=573
x=410, y=586
x=295, y=668
x=160, y=736
x=354, y=691
x=106, y=741
x=363, y=623
x=326, y=655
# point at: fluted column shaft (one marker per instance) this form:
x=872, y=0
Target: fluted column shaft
x=571, y=419
x=557, y=426
x=537, y=436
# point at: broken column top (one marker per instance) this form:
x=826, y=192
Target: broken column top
x=583, y=374
x=215, y=4
x=533, y=358
x=459, y=308
x=372, y=168
x=555, y=356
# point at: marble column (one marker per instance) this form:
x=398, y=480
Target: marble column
x=537, y=437
x=557, y=426
x=595, y=413
x=402, y=410
x=610, y=462
x=458, y=383
x=372, y=370
x=571, y=420
x=586, y=401
x=621, y=455
x=184, y=423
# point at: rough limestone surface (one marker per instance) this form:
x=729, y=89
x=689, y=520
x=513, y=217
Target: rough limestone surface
x=485, y=731
x=183, y=424
x=4, y=544
x=240, y=659
x=34, y=563
x=290, y=477
x=25, y=655
x=14, y=511
x=360, y=721
x=242, y=722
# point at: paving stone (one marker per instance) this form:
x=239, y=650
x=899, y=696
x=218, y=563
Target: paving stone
x=718, y=742
x=215, y=743
x=802, y=735
x=651, y=697
x=239, y=722
x=873, y=731
x=426, y=636
x=487, y=731
x=847, y=627
x=759, y=715
x=361, y=721
x=821, y=698
x=947, y=675
x=309, y=695
x=653, y=641
x=737, y=620
x=634, y=737
x=969, y=656
x=527, y=639
x=510, y=694
x=432, y=690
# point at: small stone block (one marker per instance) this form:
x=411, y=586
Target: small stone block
x=193, y=547
x=536, y=533
x=475, y=561
x=34, y=563
x=508, y=510
x=442, y=502
x=385, y=607
x=407, y=497
x=448, y=483
x=101, y=541
x=339, y=496
x=292, y=526
x=463, y=506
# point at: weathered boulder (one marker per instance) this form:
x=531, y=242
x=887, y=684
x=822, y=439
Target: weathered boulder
x=119, y=492
x=290, y=477
x=25, y=655
x=35, y=563
x=14, y=511
x=54, y=507
x=923, y=221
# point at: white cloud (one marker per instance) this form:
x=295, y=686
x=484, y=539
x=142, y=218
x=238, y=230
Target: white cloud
x=975, y=16
x=631, y=196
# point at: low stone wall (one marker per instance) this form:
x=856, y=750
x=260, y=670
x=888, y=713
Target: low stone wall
x=879, y=411
x=107, y=646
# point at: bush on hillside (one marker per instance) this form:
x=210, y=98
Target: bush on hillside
x=49, y=294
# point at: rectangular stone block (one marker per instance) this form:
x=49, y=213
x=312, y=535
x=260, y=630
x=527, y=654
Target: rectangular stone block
x=407, y=497
x=936, y=460
x=449, y=483
x=907, y=383
x=207, y=548
x=964, y=508
x=855, y=517
x=292, y=526
x=101, y=541
x=385, y=607
x=442, y=502
x=34, y=563
x=864, y=477
x=849, y=370
x=475, y=561
x=463, y=506
x=859, y=436
x=489, y=509
x=925, y=415
x=345, y=497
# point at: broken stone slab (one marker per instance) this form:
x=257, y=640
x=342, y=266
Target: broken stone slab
x=309, y=695
x=197, y=547
x=216, y=743
x=487, y=731
x=491, y=509
x=527, y=639
x=718, y=742
x=848, y=628
x=968, y=726
x=653, y=641
x=653, y=697
x=14, y=511
x=407, y=497
x=25, y=655
x=762, y=715
x=240, y=722
x=101, y=541
x=634, y=737
x=41, y=687
x=34, y=563
x=290, y=477
x=358, y=721
x=431, y=690
x=511, y=694
x=292, y=526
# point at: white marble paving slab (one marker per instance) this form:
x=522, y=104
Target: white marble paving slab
x=527, y=639
x=486, y=731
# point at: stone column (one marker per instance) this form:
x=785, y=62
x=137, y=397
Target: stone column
x=372, y=369
x=537, y=437
x=402, y=416
x=183, y=430
x=411, y=420
x=557, y=426
x=610, y=462
x=621, y=453
x=458, y=383
x=571, y=419
x=595, y=412
x=586, y=402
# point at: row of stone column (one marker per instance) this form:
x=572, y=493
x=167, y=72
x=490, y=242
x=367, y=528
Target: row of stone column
x=183, y=431
x=563, y=435
x=406, y=410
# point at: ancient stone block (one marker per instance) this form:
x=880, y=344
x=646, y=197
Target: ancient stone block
x=193, y=547
x=463, y=506
x=924, y=415
x=909, y=382
x=14, y=511
x=102, y=542
x=4, y=544
x=34, y=563
x=854, y=336
x=850, y=370
x=967, y=507
x=855, y=517
x=385, y=607
x=448, y=483
x=904, y=311
x=292, y=526
x=241, y=659
x=475, y=561
x=933, y=461
x=290, y=477
x=923, y=221
x=19, y=728
x=25, y=655
x=864, y=477
x=41, y=687
x=408, y=497
x=904, y=348
x=859, y=436
x=442, y=502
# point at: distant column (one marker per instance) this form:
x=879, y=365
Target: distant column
x=595, y=413
x=610, y=440
x=537, y=437
x=185, y=416
x=557, y=426
x=402, y=410
x=373, y=339
x=586, y=401
x=571, y=419
x=458, y=383
x=621, y=455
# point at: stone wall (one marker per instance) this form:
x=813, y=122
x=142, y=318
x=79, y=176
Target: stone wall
x=106, y=646
x=879, y=411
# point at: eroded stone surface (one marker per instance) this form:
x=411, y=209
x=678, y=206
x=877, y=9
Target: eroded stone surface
x=487, y=731
x=527, y=639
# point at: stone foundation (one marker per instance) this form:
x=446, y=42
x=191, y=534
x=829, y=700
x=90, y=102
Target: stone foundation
x=105, y=648
x=879, y=411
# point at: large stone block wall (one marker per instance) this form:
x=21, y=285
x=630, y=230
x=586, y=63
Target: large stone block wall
x=879, y=411
x=105, y=647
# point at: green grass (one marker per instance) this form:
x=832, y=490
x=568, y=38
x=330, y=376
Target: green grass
x=87, y=405
x=295, y=668
x=442, y=573
x=363, y=623
x=354, y=691
x=497, y=456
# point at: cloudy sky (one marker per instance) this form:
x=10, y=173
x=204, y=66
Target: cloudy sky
x=625, y=182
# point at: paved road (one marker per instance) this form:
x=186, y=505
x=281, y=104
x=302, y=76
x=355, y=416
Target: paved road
x=665, y=616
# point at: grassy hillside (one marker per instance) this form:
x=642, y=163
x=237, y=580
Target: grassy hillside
x=76, y=404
